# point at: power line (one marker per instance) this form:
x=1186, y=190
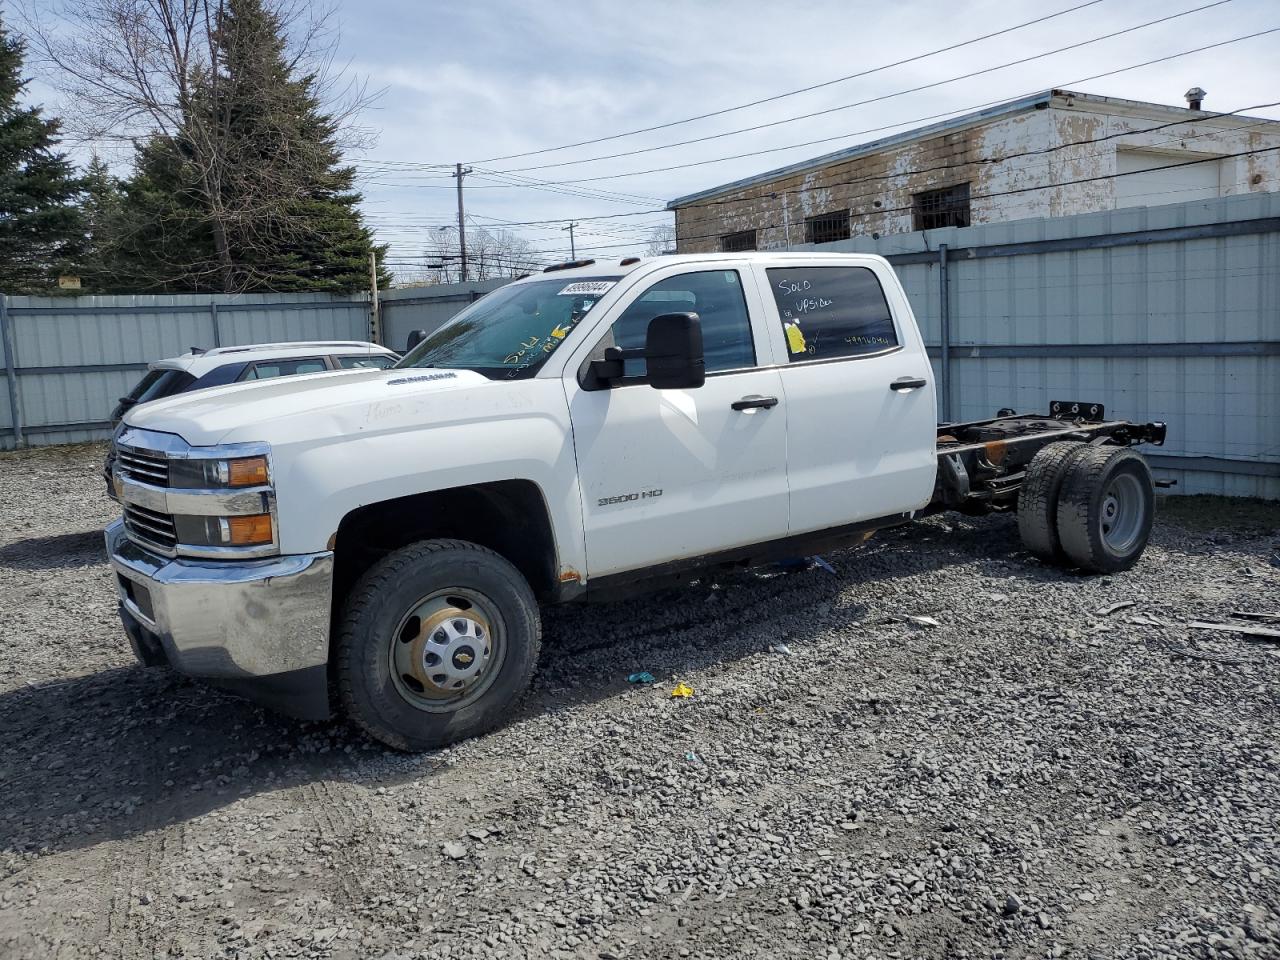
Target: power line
x=880, y=98
x=1018, y=190
x=981, y=160
x=936, y=116
x=792, y=93
x=1005, y=158
x=1096, y=76
x=1047, y=186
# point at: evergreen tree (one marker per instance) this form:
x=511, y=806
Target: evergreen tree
x=291, y=207
x=41, y=230
x=251, y=193
x=163, y=237
x=101, y=262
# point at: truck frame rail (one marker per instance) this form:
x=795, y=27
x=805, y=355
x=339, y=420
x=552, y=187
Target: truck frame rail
x=982, y=463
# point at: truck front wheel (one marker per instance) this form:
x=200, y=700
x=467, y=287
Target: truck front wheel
x=1105, y=509
x=438, y=642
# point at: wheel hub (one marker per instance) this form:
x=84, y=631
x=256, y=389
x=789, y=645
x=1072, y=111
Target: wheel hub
x=1122, y=512
x=443, y=650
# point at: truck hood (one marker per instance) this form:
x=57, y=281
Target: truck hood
x=323, y=404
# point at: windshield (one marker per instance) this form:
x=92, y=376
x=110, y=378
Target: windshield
x=510, y=333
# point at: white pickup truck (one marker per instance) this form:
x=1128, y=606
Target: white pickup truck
x=380, y=541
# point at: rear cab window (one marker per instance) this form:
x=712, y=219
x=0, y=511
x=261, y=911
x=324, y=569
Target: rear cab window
x=270, y=369
x=830, y=313
x=373, y=361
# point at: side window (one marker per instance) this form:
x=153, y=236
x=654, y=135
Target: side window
x=269, y=369
x=830, y=312
x=376, y=361
x=715, y=296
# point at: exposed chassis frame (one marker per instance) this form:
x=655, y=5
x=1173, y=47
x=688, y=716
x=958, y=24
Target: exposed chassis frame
x=981, y=464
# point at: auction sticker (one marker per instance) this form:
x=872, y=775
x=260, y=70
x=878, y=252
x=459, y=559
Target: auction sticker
x=595, y=287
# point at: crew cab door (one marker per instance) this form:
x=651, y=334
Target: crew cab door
x=673, y=474
x=858, y=387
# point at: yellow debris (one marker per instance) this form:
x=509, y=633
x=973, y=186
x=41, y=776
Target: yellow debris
x=682, y=690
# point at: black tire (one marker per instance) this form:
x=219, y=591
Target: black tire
x=376, y=700
x=1038, y=498
x=1106, y=509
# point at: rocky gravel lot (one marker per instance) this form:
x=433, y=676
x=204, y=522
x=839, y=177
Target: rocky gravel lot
x=1020, y=774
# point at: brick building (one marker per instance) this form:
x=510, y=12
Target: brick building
x=1052, y=154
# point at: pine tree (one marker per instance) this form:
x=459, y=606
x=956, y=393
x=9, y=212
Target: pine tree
x=103, y=212
x=41, y=230
x=293, y=220
x=164, y=239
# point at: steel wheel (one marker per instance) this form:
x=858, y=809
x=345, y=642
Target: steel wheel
x=447, y=650
x=1123, y=511
x=1105, y=509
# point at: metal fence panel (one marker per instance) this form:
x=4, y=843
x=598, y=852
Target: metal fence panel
x=426, y=308
x=1165, y=313
x=73, y=357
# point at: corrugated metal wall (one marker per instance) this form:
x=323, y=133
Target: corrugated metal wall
x=68, y=359
x=71, y=358
x=425, y=308
x=1162, y=313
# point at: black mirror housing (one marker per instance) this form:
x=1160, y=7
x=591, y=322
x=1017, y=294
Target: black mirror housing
x=673, y=356
x=415, y=338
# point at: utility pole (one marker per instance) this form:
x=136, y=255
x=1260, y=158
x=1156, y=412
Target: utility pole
x=460, y=172
x=573, y=251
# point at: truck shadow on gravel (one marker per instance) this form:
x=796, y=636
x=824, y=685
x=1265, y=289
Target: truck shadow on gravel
x=121, y=752
x=51, y=553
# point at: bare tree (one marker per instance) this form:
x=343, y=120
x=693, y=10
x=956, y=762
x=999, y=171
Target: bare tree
x=442, y=249
x=500, y=253
x=661, y=240
x=146, y=68
x=491, y=254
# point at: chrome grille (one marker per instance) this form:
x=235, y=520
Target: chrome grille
x=143, y=465
x=151, y=526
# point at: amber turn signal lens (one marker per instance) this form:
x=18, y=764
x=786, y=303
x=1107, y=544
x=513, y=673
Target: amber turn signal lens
x=249, y=531
x=247, y=472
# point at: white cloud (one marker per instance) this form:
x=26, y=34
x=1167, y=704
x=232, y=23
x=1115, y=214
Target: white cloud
x=473, y=82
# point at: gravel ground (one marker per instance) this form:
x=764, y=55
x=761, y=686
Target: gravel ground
x=1029, y=777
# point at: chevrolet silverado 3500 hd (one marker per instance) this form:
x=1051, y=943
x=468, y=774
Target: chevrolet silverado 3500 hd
x=384, y=538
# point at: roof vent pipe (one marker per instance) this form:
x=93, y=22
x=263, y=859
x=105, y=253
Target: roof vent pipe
x=1194, y=97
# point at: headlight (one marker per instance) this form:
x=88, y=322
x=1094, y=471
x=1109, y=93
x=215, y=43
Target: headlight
x=247, y=530
x=219, y=474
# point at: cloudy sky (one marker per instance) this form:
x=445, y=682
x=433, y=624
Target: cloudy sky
x=498, y=84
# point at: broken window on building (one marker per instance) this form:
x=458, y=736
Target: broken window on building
x=826, y=227
x=948, y=207
x=736, y=242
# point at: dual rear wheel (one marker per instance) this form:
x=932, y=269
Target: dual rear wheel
x=1087, y=506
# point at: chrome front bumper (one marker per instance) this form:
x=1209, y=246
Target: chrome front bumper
x=260, y=627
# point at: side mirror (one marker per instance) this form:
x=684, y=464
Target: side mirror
x=673, y=357
x=415, y=338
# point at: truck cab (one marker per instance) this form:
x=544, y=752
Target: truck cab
x=381, y=541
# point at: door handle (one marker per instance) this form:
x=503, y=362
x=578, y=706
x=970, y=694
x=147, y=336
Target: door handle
x=752, y=402
x=907, y=383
